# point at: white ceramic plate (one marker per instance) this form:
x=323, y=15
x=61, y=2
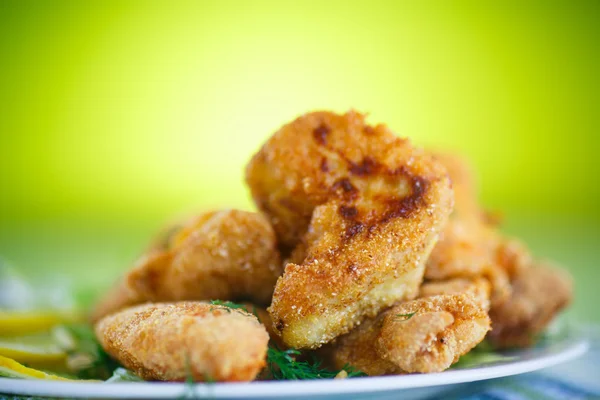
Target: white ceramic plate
x=388, y=387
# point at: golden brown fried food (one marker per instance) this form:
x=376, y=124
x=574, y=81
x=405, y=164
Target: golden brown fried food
x=375, y=207
x=265, y=318
x=170, y=341
x=539, y=293
x=430, y=334
x=357, y=349
x=423, y=335
x=322, y=156
x=470, y=246
x=219, y=255
x=479, y=288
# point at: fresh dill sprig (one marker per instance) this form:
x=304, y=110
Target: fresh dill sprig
x=406, y=316
x=228, y=305
x=189, y=392
x=86, y=357
x=284, y=365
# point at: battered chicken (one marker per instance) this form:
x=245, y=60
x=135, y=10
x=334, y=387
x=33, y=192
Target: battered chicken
x=265, y=318
x=470, y=246
x=423, y=335
x=539, y=293
x=173, y=341
x=357, y=349
x=364, y=206
x=524, y=297
x=479, y=288
x=430, y=334
x=219, y=255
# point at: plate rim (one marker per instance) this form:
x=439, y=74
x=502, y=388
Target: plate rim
x=567, y=350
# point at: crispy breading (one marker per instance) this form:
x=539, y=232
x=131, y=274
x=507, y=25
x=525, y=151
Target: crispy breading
x=357, y=349
x=539, y=293
x=264, y=318
x=364, y=206
x=423, y=335
x=322, y=156
x=174, y=341
x=479, y=288
x=227, y=254
x=431, y=333
x=470, y=246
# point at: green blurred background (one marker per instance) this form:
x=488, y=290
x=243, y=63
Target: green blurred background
x=117, y=116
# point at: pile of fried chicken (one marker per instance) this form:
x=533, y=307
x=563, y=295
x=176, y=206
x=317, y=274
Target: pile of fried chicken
x=368, y=251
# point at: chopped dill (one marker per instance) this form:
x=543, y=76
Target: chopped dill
x=284, y=365
x=227, y=305
x=230, y=305
x=189, y=392
x=406, y=316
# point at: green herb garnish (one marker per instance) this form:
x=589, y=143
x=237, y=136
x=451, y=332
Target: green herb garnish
x=228, y=305
x=406, y=316
x=284, y=365
x=86, y=358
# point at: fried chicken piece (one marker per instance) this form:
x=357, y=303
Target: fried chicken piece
x=423, y=335
x=430, y=334
x=364, y=206
x=470, y=246
x=265, y=318
x=322, y=156
x=218, y=255
x=357, y=349
x=479, y=288
x=539, y=293
x=170, y=341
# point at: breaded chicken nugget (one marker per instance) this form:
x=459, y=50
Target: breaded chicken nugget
x=430, y=334
x=539, y=293
x=357, y=349
x=479, y=288
x=322, y=156
x=219, y=255
x=265, y=318
x=423, y=335
x=171, y=341
x=469, y=246
x=375, y=207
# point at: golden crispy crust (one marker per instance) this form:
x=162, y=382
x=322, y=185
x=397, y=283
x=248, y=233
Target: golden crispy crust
x=539, y=293
x=322, y=156
x=265, y=319
x=430, y=334
x=169, y=341
x=423, y=335
x=375, y=206
x=470, y=246
x=479, y=288
x=218, y=255
x=357, y=349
